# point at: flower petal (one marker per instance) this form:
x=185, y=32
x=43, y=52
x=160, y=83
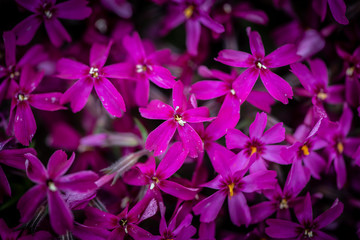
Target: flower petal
x=205, y=90
x=276, y=86
x=26, y=29
x=191, y=140
x=257, y=128
x=235, y=58
x=239, y=210
x=35, y=170
x=70, y=69
x=172, y=161
x=245, y=83
x=158, y=140
x=177, y=190
x=99, y=54
x=46, y=101
x=36, y=196
x=340, y=169
x=134, y=47
x=61, y=217
x=282, y=56
x=179, y=98
x=261, y=100
x=10, y=48
x=122, y=70
x=338, y=10
x=157, y=110
x=330, y=215
x=83, y=181
x=304, y=213
x=73, y=9
x=279, y=228
x=24, y=125
x=58, y=164
x=56, y=31
x=275, y=134
x=161, y=76
x=256, y=45
x=109, y=96
x=210, y=207
x=259, y=180
x=235, y=139
x=78, y=94
x=193, y=30
x=196, y=115
x=208, y=22
x=29, y=79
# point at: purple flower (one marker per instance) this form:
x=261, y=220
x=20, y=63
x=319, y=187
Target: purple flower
x=232, y=183
x=257, y=146
x=51, y=186
x=178, y=118
x=315, y=82
x=22, y=121
x=156, y=178
x=307, y=226
x=259, y=64
x=48, y=12
x=194, y=13
x=337, y=8
x=12, y=69
x=143, y=67
x=95, y=75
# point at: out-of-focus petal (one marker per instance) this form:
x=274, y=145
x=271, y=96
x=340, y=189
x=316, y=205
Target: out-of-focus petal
x=279, y=228
x=340, y=169
x=304, y=214
x=30, y=5
x=208, y=22
x=330, y=215
x=261, y=100
x=56, y=31
x=338, y=10
x=193, y=30
x=35, y=196
x=134, y=47
x=262, y=211
x=99, y=54
x=29, y=79
x=26, y=29
x=73, y=9
x=10, y=46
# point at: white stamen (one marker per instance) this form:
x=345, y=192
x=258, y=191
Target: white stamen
x=227, y=8
x=260, y=65
x=52, y=187
x=140, y=68
x=94, y=72
x=232, y=91
x=48, y=14
x=152, y=185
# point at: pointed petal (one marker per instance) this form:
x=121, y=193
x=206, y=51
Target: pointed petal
x=257, y=128
x=275, y=134
x=236, y=139
x=157, y=110
x=191, y=140
x=109, y=96
x=162, y=77
x=338, y=10
x=276, y=86
x=235, y=58
x=83, y=181
x=304, y=75
x=304, y=214
x=330, y=215
x=78, y=94
x=177, y=190
x=46, y=101
x=71, y=69
x=36, y=196
x=179, y=99
x=29, y=79
x=319, y=71
x=282, y=56
x=172, y=161
x=279, y=228
x=158, y=140
x=134, y=47
x=73, y=9
x=205, y=90
x=135, y=177
x=56, y=31
x=98, y=218
x=239, y=210
x=24, y=125
x=61, y=217
x=210, y=207
x=256, y=45
x=220, y=158
x=99, y=54
x=245, y=83
x=35, y=170
x=193, y=30
x=58, y=164
x=26, y=29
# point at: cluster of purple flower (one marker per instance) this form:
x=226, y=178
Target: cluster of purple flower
x=131, y=177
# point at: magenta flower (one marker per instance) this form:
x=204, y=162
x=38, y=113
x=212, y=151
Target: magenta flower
x=95, y=75
x=307, y=228
x=178, y=118
x=51, y=186
x=231, y=183
x=259, y=64
x=194, y=13
x=48, y=12
x=22, y=121
x=315, y=82
x=143, y=67
x=337, y=8
x=257, y=146
x=12, y=69
x=156, y=178
x=126, y=223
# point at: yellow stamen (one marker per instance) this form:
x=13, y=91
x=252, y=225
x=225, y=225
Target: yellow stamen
x=231, y=189
x=232, y=91
x=322, y=96
x=188, y=12
x=340, y=147
x=305, y=150
x=308, y=233
x=284, y=204
x=179, y=120
x=253, y=150
x=94, y=72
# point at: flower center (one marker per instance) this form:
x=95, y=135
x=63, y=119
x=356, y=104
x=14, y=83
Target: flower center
x=308, y=233
x=51, y=186
x=232, y=91
x=94, y=72
x=253, y=150
x=22, y=97
x=283, y=204
x=178, y=118
x=188, y=12
x=321, y=95
x=259, y=65
x=305, y=150
x=123, y=223
x=140, y=68
x=227, y=8
x=231, y=189
x=254, y=146
x=48, y=14
x=350, y=71
x=155, y=180
x=340, y=147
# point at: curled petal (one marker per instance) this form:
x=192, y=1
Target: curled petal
x=35, y=170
